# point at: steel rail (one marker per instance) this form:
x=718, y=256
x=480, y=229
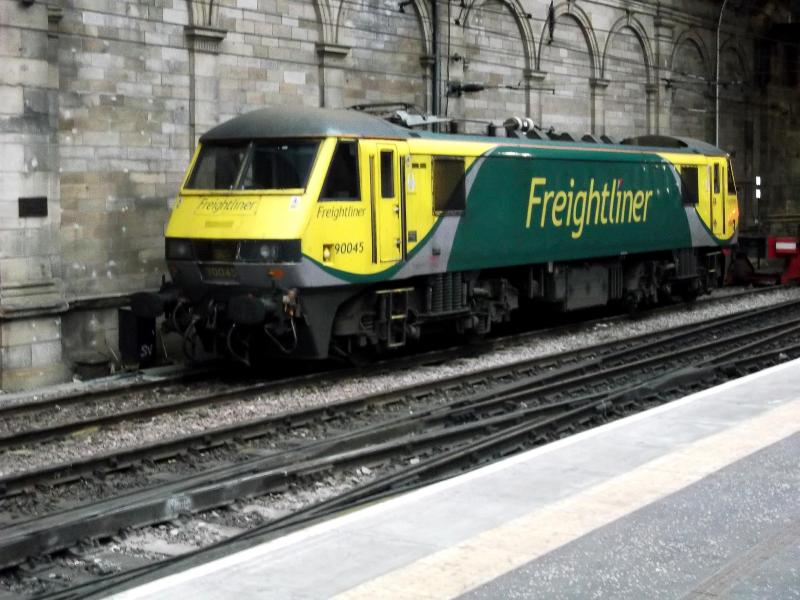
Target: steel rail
x=62, y=473
x=222, y=485
x=112, y=393
x=219, y=486
x=412, y=477
x=446, y=463
x=16, y=483
x=258, y=476
x=59, y=430
x=106, y=392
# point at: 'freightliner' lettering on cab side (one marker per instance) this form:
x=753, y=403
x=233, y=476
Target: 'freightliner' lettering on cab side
x=585, y=207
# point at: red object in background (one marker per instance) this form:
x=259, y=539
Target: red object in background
x=787, y=248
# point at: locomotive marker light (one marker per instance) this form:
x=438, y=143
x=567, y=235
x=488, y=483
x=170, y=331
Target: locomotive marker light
x=758, y=197
x=178, y=249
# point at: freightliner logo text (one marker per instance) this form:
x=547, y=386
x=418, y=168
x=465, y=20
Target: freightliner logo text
x=591, y=205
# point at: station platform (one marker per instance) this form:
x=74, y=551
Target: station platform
x=699, y=498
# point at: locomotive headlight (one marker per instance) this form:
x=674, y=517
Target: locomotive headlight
x=177, y=249
x=269, y=251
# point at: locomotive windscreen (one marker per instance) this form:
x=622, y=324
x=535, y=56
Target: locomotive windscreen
x=261, y=165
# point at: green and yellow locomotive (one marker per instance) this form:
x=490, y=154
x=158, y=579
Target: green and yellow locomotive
x=304, y=232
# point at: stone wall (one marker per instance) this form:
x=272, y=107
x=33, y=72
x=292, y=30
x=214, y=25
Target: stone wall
x=123, y=140
x=568, y=63
x=385, y=60
x=31, y=286
x=492, y=55
x=101, y=104
x=628, y=69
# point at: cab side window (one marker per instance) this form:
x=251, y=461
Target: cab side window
x=731, y=182
x=716, y=178
x=387, y=174
x=449, y=189
x=342, y=181
x=689, y=185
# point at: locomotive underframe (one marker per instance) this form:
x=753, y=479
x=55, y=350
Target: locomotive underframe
x=475, y=300
x=255, y=322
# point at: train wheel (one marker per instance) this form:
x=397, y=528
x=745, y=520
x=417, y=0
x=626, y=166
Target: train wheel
x=632, y=302
x=691, y=291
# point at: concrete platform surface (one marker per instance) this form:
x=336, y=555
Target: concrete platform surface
x=699, y=498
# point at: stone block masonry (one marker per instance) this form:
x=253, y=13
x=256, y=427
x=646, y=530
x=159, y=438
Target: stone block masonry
x=32, y=294
x=101, y=105
x=31, y=351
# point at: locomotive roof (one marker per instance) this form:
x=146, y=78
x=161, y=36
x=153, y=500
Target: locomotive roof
x=305, y=121
x=647, y=143
x=675, y=143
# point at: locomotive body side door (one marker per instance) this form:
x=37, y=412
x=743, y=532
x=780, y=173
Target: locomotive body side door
x=731, y=199
x=718, y=217
x=387, y=163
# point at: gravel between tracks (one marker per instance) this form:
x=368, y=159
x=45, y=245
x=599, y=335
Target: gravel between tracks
x=131, y=434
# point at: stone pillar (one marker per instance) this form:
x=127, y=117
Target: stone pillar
x=599, y=87
x=527, y=77
x=535, y=80
x=665, y=32
x=331, y=77
x=204, y=45
x=709, y=98
x=651, y=91
x=426, y=62
x=747, y=164
x=751, y=161
x=31, y=289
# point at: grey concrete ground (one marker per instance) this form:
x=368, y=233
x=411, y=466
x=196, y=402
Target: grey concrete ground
x=734, y=534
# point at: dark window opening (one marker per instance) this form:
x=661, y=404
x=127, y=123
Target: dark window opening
x=387, y=174
x=449, y=189
x=217, y=167
x=689, y=185
x=790, y=64
x=716, y=178
x=279, y=165
x=342, y=181
x=261, y=165
x=32, y=207
x=731, y=181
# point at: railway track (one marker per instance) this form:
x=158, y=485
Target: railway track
x=54, y=418
x=104, y=406
x=563, y=363
x=440, y=432
x=440, y=456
